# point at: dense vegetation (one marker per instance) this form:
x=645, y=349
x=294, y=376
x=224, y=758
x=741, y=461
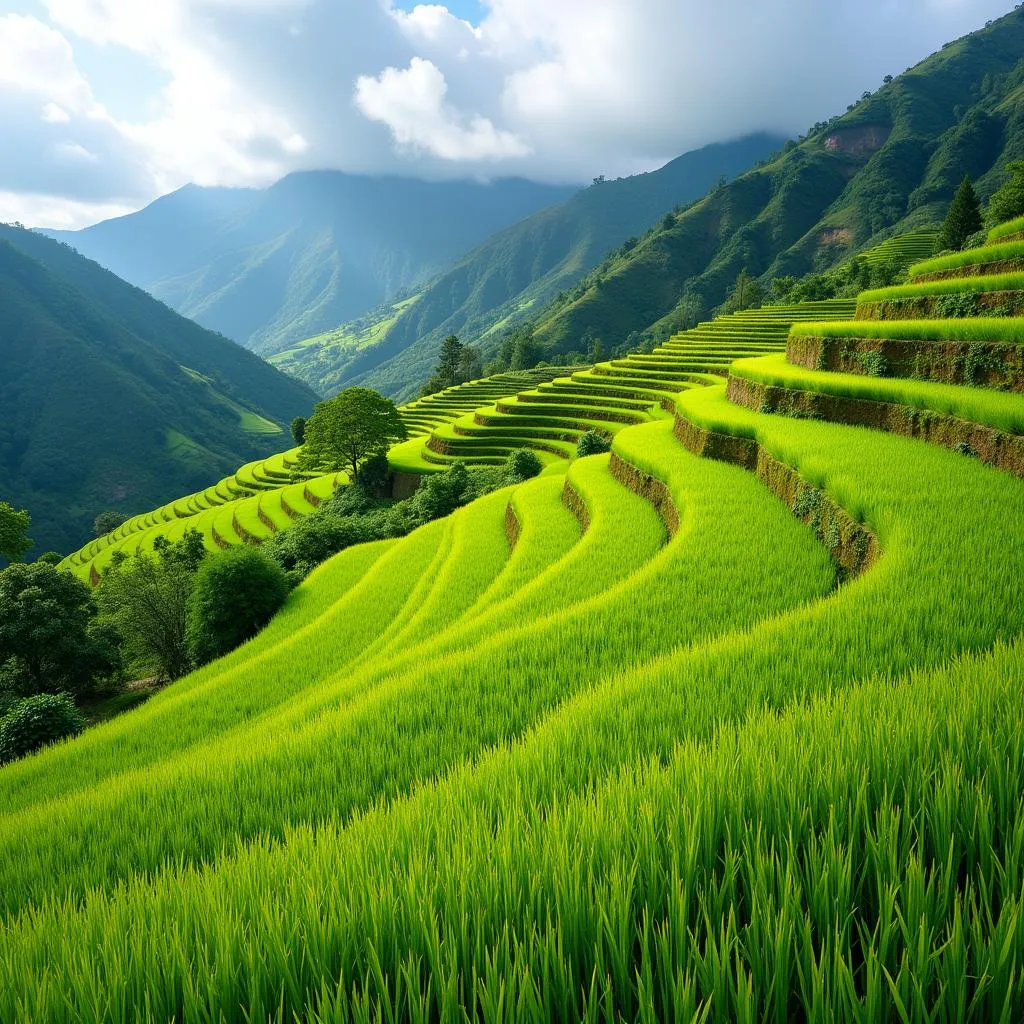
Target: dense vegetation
x=110, y=400
x=272, y=267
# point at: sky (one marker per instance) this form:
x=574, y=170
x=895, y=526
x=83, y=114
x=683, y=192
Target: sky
x=107, y=104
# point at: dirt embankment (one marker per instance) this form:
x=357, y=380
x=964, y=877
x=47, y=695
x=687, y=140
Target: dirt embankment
x=649, y=488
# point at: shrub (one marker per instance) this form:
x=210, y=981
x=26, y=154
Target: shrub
x=374, y=474
x=36, y=722
x=236, y=593
x=522, y=464
x=593, y=442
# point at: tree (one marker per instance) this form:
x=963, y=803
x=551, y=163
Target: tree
x=36, y=722
x=470, y=365
x=592, y=442
x=963, y=219
x=107, y=522
x=14, y=524
x=349, y=428
x=525, y=352
x=746, y=293
x=50, y=639
x=146, y=597
x=236, y=594
x=1008, y=202
x=522, y=464
x=299, y=429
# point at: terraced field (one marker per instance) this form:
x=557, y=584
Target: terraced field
x=724, y=725
x=903, y=250
x=266, y=496
x=610, y=396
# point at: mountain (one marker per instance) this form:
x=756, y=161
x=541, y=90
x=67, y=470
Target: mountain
x=270, y=267
x=113, y=401
x=891, y=164
x=519, y=269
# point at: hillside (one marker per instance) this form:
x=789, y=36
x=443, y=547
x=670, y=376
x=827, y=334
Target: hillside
x=889, y=165
x=113, y=401
x=520, y=268
x=722, y=725
x=271, y=267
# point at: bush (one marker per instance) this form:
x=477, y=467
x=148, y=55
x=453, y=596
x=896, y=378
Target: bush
x=236, y=593
x=37, y=722
x=593, y=442
x=522, y=464
x=374, y=474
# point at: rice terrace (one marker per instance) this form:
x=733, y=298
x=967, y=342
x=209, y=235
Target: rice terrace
x=558, y=604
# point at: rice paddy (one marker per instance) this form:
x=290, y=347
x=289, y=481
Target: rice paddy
x=624, y=742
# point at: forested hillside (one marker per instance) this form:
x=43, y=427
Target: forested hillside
x=890, y=164
x=111, y=400
x=269, y=267
x=521, y=268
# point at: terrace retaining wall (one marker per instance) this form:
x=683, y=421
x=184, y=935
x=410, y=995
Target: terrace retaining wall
x=649, y=488
x=1013, y=266
x=853, y=547
x=974, y=364
x=993, y=447
x=927, y=307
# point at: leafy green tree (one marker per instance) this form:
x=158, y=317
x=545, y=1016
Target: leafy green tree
x=51, y=557
x=963, y=218
x=374, y=474
x=107, y=522
x=349, y=428
x=522, y=464
x=50, y=639
x=593, y=442
x=525, y=353
x=14, y=524
x=36, y=722
x=299, y=429
x=236, y=594
x=146, y=597
x=1008, y=202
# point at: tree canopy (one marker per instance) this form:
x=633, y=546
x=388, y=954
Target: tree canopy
x=346, y=429
x=1008, y=202
x=50, y=641
x=963, y=219
x=14, y=524
x=456, y=364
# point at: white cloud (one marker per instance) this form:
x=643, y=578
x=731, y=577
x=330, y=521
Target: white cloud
x=412, y=104
x=553, y=89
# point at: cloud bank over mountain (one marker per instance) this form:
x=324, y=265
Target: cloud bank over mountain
x=240, y=92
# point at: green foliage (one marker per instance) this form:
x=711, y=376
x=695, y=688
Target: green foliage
x=456, y=364
x=147, y=597
x=349, y=428
x=522, y=464
x=592, y=442
x=36, y=722
x=1007, y=203
x=746, y=293
x=236, y=594
x=51, y=558
x=14, y=527
x=50, y=641
x=374, y=474
x=107, y=522
x=963, y=219
x=298, y=429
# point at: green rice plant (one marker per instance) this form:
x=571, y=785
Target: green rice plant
x=1010, y=227
x=978, y=405
x=827, y=792
x=505, y=684
x=947, y=286
x=1004, y=252
x=1005, y=330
